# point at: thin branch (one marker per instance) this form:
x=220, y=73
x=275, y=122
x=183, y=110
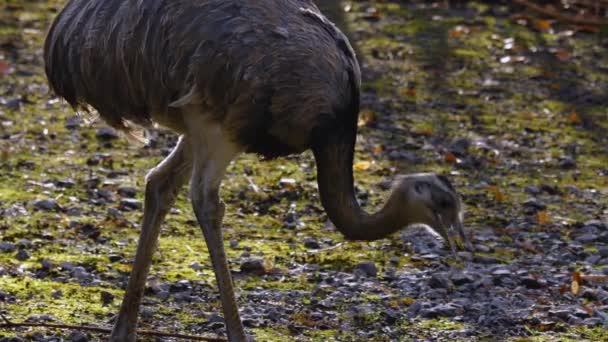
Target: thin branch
x=9, y=324
x=578, y=20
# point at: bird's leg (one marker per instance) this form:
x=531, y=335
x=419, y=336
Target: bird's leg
x=208, y=170
x=162, y=186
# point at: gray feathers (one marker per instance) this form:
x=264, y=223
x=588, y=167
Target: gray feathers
x=266, y=69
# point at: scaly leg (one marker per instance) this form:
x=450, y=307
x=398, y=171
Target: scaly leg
x=162, y=186
x=211, y=158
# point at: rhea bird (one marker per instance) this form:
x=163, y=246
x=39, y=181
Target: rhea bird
x=270, y=77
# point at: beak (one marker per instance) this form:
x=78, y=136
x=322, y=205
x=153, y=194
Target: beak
x=456, y=237
x=463, y=239
x=449, y=235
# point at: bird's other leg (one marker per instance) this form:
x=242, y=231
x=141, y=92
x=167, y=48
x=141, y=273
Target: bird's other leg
x=162, y=186
x=212, y=156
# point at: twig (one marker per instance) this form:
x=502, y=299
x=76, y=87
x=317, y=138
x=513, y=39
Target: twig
x=9, y=324
x=565, y=18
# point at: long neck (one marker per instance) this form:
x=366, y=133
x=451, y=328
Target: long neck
x=334, y=157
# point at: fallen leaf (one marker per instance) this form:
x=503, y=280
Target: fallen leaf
x=574, y=118
x=450, y=158
x=576, y=281
x=497, y=193
x=527, y=115
x=377, y=149
x=543, y=217
x=574, y=287
x=362, y=165
x=366, y=117
x=542, y=25
x=4, y=66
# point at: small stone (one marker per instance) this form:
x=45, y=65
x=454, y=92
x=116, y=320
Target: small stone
x=460, y=146
x=65, y=183
x=311, y=243
x=462, y=278
x=106, y=298
x=79, y=272
x=602, y=251
x=531, y=282
x=440, y=281
x=532, y=205
x=253, y=265
x=114, y=257
x=46, y=264
x=106, y=133
x=567, y=163
x=441, y=310
x=73, y=122
x=66, y=265
x=78, y=336
x=130, y=204
x=127, y=191
x=368, y=268
x=46, y=205
x=196, y=266
x=233, y=243
x=22, y=255
x=586, y=238
x=57, y=294
x=147, y=312
x=7, y=247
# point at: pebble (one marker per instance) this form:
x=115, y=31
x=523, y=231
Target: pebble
x=7, y=247
x=78, y=336
x=130, y=204
x=66, y=265
x=368, y=268
x=311, y=243
x=531, y=282
x=462, y=278
x=253, y=265
x=440, y=281
x=46, y=205
x=22, y=255
x=79, y=272
x=441, y=310
x=106, y=298
x=114, y=257
x=106, y=133
x=127, y=191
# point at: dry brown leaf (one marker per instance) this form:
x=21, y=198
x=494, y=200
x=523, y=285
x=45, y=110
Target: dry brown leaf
x=543, y=217
x=4, y=66
x=576, y=283
x=496, y=193
x=362, y=166
x=366, y=117
x=450, y=158
x=542, y=25
x=574, y=118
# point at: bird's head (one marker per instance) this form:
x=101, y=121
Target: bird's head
x=432, y=200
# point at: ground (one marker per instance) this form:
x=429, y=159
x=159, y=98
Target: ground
x=511, y=107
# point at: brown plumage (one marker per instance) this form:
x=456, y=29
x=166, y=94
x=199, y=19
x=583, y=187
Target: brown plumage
x=270, y=71
x=272, y=77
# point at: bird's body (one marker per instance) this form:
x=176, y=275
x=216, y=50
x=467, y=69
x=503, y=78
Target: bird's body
x=265, y=69
x=273, y=77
